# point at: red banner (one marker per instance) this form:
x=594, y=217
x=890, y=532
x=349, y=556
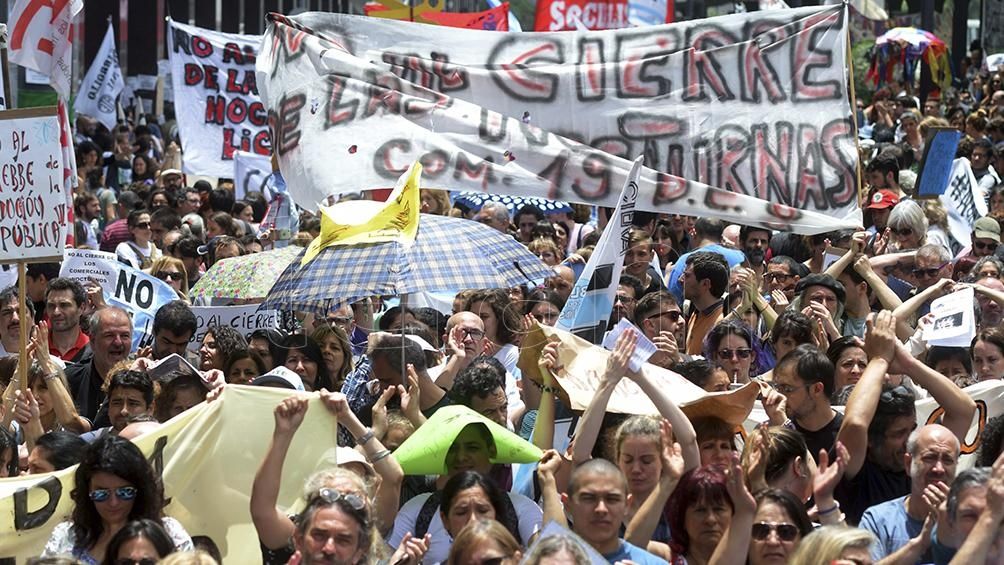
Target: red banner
x=496, y=19
x=559, y=15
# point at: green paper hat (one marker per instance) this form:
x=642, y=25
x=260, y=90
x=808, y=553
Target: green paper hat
x=424, y=453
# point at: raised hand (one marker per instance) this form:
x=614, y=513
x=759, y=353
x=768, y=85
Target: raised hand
x=735, y=485
x=617, y=362
x=880, y=339
x=412, y=550
x=25, y=407
x=549, y=464
x=380, y=412
x=828, y=475
x=411, y=399
x=673, y=465
x=289, y=414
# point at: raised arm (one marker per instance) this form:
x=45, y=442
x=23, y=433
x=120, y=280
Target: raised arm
x=274, y=528
x=543, y=426
x=907, y=309
x=959, y=406
x=880, y=344
x=62, y=402
x=548, y=467
x=592, y=419
x=646, y=519
x=684, y=430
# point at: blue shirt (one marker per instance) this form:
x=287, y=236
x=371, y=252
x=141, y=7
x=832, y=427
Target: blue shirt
x=734, y=257
x=628, y=552
x=893, y=527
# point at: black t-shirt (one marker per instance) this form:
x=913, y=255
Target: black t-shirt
x=869, y=487
x=823, y=438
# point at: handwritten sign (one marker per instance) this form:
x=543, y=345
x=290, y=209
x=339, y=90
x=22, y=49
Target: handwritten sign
x=244, y=319
x=85, y=265
x=32, y=201
x=936, y=167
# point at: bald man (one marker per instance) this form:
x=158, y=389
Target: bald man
x=111, y=342
x=990, y=297
x=932, y=455
x=562, y=282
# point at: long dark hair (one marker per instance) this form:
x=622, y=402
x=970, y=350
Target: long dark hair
x=150, y=530
x=505, y=514
x=308, y=347
x=119, y=457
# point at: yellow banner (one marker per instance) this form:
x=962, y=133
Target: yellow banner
x=363, y=221
x=207, y=458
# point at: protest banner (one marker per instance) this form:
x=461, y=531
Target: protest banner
x=33, y=210
x=397, y=10
x=588, y=307
x=650, y=12
x=141, y=295
x=251, y=171
x=563, y=15
x=741, y=117
x=216, y=98
x=40, y=39
x=245, y=319
x=206, y=457
x=964, y=201
x=102, y=84
x=936, y=163
x=85, y=265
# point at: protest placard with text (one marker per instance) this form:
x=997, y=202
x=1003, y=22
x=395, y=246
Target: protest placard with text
x=244, y=319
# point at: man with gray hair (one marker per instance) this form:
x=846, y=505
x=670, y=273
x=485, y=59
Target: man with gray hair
x=494, y=215
x=932, y=264
x=111, y=342
x=966, y=501
x=932, y=454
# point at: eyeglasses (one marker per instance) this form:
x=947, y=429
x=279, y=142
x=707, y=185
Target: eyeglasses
x=674, y=315
x=166, y=275
x=142, y=225
x=787, y=389
x=928, y=273
x=474, y=334
x=144, y=561
x=984, y=245
x=902, y=232
x=785, y=532
x=121, y=493
x=624, y=299
x=779, y=277
x=331, y=496
x=340, y=320
x=730, y=353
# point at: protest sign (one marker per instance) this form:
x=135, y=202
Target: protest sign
x=33, y=201
x=251, y=171
x=102, y=84
x=85, y=265
x=424, y=453
x=742, y=117
x=954, y=322
x=141, y=295
x=206, y=458
x=560, y=15
x=964, y=201
x=644, y=348
x=936, y=164
x=650, y=12
x=216, y=98
x=588, y=307
x=245, y=319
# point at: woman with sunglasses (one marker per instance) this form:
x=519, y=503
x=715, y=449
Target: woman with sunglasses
x=907, y=226
x=544, y=305
x=732, y=346
x=139, y=252
x=140, y=542
x=779, y=525
x=114, y=484
x=172, y=271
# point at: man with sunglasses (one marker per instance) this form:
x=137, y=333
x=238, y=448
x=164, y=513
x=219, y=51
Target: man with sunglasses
x=783, y=274
x=932, y=455
x=659, y=317
x=986, y=238
x=931, y=264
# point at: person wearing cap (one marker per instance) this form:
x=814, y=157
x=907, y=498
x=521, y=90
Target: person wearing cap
x=171, y=179
x=821, y=297
x=878, y=209
x=986, y=238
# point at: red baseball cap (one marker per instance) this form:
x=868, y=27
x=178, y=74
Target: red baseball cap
x=883, y=199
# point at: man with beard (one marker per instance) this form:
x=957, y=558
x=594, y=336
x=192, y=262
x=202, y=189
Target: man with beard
x=64, y=300
x=87, y=208
x=10, y=321
x=659, y=317
x=879, y=418
x=335, y=528
x=629, y=290
x=754, y=241
x=111, y=341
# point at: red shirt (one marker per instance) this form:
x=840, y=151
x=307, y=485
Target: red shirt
x=78, y=346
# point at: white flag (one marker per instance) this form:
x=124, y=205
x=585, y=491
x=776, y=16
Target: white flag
x=40, y=38
x=964, y=201
x=102, y=84
x=588, y=307
x=251, y=171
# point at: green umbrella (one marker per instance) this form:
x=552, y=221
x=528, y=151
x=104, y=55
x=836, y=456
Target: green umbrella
x=250, y=276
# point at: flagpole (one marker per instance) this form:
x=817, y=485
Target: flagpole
x=854, y=108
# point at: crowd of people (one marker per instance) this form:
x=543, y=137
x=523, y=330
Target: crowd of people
x=830, y=328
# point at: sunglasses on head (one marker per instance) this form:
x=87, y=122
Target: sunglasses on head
x=785, y=532
x=121, y=493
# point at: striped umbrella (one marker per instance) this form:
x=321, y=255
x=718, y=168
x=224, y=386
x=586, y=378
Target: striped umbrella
x=475, y=200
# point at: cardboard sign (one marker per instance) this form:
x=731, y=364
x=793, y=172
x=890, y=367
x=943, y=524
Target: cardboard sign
x=216, y=98
x=141, y=295
x=85, y=265
x=954, y=321
x=244, y=319
x=936, y=165
x=33, y=211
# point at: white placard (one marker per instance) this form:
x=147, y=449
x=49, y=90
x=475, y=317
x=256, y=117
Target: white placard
x=85, y=265
x=244, y=319
x=954, y=322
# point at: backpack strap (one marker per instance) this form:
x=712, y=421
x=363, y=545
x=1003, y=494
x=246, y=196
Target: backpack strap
x=427, y=512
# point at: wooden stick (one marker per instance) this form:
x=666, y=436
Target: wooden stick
x=862, y=195
x=22, y=360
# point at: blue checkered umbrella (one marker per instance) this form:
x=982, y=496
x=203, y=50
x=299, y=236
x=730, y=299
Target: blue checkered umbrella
x=475, y=200
x=448, y=254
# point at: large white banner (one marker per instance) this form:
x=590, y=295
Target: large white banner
x=102, y=84
x=743, y=117
x=40, y=39
x=216, y=98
